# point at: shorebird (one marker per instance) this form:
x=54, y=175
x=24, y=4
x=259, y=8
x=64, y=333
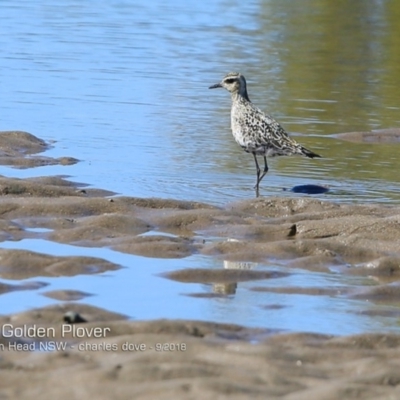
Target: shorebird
x=254, y=131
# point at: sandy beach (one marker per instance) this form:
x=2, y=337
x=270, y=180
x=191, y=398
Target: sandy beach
x=109, y=356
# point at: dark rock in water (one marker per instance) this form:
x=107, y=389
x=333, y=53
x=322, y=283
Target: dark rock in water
x=293, y=231
x=309, y=189
x=72, y=317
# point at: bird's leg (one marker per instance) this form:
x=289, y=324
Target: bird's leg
x=265, y=169
x=258, y=176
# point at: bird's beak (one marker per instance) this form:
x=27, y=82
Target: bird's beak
x=217, y=85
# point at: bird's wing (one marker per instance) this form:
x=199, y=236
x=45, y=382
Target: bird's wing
x=271, y=134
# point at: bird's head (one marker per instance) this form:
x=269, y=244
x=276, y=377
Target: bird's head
x=233, y=83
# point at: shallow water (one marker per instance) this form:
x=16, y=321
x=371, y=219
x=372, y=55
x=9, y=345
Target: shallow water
x=144, y=293
x=124, y=88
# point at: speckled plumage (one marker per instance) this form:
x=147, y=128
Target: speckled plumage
x=256, y=132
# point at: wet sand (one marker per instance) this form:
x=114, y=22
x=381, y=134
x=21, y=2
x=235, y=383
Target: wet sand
x=112, y=357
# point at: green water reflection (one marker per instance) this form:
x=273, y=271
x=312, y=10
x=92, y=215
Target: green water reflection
x=339, y=62
x=322, y=67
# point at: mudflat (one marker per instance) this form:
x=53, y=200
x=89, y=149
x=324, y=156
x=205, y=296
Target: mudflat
x=73, y=350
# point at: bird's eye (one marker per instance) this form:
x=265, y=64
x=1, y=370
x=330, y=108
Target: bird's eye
x=230, y=80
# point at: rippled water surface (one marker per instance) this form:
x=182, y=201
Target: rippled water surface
x=123, y=86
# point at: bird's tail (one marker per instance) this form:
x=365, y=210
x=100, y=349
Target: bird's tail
x=309, y=153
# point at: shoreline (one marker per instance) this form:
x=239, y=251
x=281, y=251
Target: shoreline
x=112, y=357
